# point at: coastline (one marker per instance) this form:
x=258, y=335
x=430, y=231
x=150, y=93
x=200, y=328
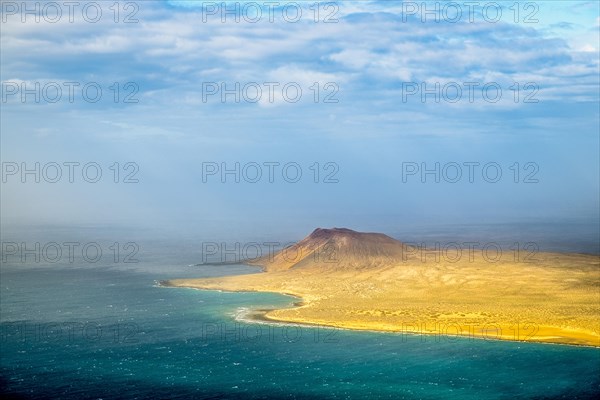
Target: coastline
x=551, y=335
x=260, y=316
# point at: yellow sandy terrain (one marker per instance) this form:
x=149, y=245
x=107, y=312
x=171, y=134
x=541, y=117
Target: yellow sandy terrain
x=371, y=281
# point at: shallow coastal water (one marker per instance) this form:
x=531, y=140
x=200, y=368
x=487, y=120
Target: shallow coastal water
x=81, y=330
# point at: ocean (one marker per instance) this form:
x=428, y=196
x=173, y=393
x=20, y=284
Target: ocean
x=101, y=328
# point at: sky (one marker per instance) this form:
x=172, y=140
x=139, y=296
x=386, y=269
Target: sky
x=361, y=119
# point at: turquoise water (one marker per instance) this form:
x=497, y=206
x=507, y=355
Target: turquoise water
x=80, y=330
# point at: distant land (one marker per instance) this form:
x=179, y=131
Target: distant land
x=370, y=281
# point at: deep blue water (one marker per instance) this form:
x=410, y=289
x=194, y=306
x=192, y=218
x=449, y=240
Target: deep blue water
x=105, y=330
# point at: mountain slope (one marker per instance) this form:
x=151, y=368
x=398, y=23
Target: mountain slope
x=336, y=248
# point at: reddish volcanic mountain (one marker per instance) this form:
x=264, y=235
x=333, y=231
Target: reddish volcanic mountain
x=336, y=248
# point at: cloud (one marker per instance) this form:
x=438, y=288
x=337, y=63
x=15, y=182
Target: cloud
x=370, y=52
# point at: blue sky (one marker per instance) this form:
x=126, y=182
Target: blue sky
x=370, y=54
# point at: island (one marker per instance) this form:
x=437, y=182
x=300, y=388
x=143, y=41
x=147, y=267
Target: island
x=370, y=281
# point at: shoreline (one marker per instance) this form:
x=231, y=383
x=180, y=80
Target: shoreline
x=261, y=316
x=300, y=303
